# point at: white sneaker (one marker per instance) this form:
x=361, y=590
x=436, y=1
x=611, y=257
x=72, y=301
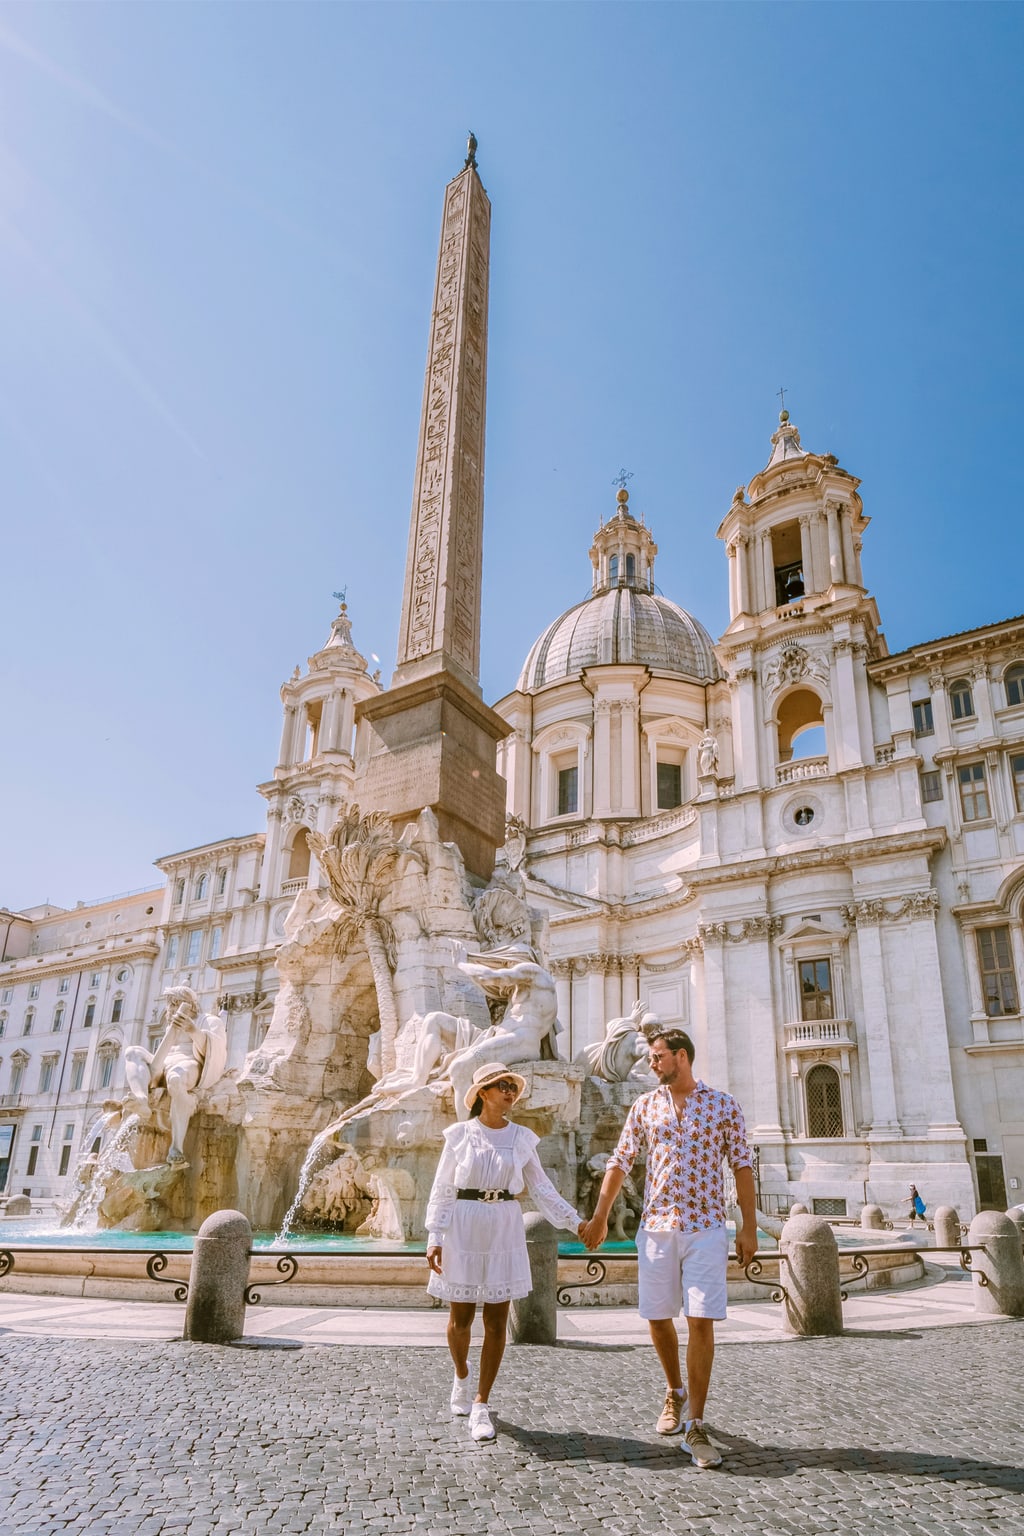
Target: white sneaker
x=462, y=1395
x=480, y=1425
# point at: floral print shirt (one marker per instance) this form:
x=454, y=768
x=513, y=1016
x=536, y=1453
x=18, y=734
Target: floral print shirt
x=684, y=1156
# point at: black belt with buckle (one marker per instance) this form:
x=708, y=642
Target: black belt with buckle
x=489, y=1195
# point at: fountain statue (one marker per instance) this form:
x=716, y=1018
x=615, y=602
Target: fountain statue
x=166, y=1084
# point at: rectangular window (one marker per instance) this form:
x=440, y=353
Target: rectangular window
x=65, y=1159
x=58, y=1019
x=65, y=983
x=117, y=1010
x=1017, y=770
x=923, y=722
x=222, y=880
x=973, y=793
x=106, y=1070
x=195, y=946
x=670, y=786
x=77, y=1071
x=90, y=1014
x=155, y=1036
x=94, y=978
x=6, y=994
x=26, y=1028
x=568, y=791
x=33, y=992
x=816, y=989
x=215, y=937
x=17, y=1073
x=998, y=982
x=179, y=892
x=46, y=1074
x=171, y=957
x=931, y=787
x=33, y=1158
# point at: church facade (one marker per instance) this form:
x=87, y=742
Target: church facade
x=806, y=851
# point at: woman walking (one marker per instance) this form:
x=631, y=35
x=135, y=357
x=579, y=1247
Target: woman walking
x=476, y=1243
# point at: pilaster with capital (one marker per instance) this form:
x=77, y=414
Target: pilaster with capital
x=877, y=1024
x=767, y=564
x=835, y=542
x=602, y=757
x=629, y=748
x=807, y=554
x=735, y=605
x=940, y=711
x=270, y=875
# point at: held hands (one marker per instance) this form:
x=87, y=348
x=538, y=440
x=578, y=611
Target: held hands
x=594, y=1231
x=434, y=1259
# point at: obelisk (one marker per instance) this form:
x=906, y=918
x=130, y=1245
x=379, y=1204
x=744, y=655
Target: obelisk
x=430, y=739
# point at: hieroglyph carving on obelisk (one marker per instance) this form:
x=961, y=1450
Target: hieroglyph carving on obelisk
x=440, y=628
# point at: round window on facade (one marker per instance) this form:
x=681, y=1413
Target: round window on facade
x=803, y=815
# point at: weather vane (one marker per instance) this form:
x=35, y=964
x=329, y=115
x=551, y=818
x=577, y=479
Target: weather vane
x=621, y=478
x=340, y=595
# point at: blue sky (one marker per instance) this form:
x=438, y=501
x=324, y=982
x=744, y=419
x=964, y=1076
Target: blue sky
x=218, y=230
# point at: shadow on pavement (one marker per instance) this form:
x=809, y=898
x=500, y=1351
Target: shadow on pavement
x=746, y=1458
x=749, y=1459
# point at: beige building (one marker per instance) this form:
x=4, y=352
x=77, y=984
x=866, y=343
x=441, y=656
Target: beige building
x=805, y=850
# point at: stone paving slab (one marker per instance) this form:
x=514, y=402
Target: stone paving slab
x=902, y=1433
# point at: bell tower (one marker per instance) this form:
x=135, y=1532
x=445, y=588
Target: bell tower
x=802, y=626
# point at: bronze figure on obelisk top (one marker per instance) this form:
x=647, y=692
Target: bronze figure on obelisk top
x=440, y=625
x=430, y=739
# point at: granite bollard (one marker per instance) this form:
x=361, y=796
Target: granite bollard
x=18, y=1205
x=872, y=1218
x=1016, y=1214
x=947, y=1227
x=810, y=1274
x=533, y=1319
x=799, y=1209
x=1001, y=1292
x=215, y=1313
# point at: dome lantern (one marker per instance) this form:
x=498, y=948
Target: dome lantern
x=623, y=551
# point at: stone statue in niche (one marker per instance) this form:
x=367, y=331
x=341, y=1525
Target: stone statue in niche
x=189, y=1059
x=707, y=750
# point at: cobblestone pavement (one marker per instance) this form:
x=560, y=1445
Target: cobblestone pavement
x=910, y=1434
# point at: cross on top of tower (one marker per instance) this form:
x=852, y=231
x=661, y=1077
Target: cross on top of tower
x=621, y=478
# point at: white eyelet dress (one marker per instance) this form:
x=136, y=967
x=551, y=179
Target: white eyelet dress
x=483, y=1244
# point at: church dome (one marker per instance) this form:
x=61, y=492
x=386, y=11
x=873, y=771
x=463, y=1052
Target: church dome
x=621, y=626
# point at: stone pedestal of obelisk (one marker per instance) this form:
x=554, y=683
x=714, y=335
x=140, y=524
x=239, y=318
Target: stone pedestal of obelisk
x=430, y=739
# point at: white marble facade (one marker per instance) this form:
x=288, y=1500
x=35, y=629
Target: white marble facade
x=805, y=850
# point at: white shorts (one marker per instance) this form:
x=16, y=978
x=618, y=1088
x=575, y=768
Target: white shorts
x=682, y=1271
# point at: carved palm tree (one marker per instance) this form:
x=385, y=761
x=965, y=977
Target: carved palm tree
x=358, y=856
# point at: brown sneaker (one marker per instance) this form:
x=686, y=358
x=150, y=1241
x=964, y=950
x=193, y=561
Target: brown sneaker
x=673, y=1415
x=696, y=1441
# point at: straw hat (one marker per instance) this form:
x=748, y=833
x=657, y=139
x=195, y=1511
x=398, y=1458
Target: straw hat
x=492, y=1072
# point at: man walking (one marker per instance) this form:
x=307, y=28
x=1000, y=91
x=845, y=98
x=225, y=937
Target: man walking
x=682, y=1245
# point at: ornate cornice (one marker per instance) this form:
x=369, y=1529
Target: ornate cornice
x=929, y=840
x=600, y=962
x=872, y=911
